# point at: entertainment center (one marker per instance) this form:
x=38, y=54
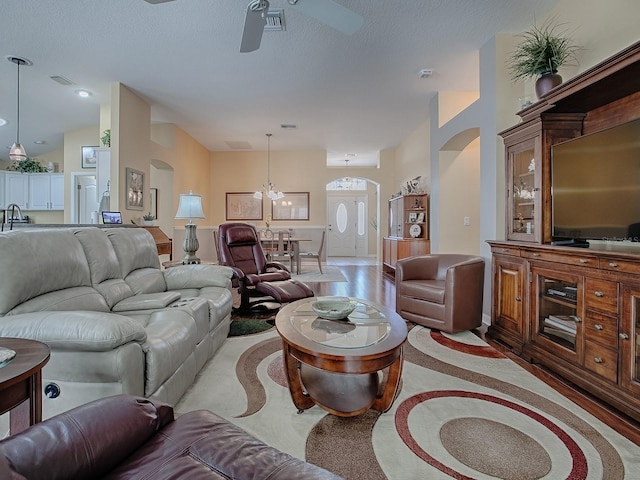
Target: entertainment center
x=576, y=311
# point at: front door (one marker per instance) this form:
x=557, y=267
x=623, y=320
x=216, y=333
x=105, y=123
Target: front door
x=346, y=225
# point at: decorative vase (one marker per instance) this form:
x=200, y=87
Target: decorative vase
x=546, y=82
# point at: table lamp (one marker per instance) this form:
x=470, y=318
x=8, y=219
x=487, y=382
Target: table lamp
x=190, y=207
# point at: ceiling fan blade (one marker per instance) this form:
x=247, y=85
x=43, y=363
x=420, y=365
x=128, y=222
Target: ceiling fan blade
x=332, y=14
x=254, y=23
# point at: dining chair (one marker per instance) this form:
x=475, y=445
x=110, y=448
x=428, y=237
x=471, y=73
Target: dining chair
x=317, y=254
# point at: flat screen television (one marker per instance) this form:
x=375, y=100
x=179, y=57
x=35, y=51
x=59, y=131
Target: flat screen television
x=595, y=181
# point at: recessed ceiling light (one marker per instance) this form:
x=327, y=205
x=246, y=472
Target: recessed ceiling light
x=83, y=93
x=350, y=154
x=3, y=122
x=288, y=126
x=39, y=142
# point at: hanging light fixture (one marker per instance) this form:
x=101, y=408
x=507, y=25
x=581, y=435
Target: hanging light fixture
x=269, y=188
x=17, y=151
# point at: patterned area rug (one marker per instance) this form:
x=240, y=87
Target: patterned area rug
x=464, y=411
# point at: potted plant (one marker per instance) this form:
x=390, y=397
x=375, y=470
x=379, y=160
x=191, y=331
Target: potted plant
x=106, y=138
x=28, y=165
x=541, y=52
x=148, y=218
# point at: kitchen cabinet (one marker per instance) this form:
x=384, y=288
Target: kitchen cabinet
x=16, y=189
x=46, y=191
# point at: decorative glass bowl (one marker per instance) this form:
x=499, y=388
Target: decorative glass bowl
x=333, y=310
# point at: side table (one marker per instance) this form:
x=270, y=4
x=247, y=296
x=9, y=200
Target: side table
x=21, y=382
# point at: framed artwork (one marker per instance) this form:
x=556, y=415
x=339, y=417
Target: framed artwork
x=293, y=206
x=89, y=157
x=153, y=199
x=135, y=189
x=243, y=206
x=413, y=216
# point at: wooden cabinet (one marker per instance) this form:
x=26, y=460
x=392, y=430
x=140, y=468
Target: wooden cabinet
x=408, y=233
x=528, y=173
x=46, y=191
x=509, y=301
x=579, y=316
x=579, y=309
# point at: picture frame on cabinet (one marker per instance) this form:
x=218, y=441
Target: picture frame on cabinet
x=420, y=217
x=135, y=189
x=89, y=157
x=413, y=217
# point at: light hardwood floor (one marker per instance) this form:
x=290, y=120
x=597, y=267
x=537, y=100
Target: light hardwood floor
x=366, y=280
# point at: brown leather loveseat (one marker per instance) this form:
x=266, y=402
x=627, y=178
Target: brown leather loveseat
x=132, y=437
x=441, y=291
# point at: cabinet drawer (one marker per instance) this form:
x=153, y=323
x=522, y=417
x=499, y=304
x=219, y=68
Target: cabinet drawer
x=601, y=329
x=601, y=360
x=626, y=266
x=505, y=251
x=582, y=260
x=601, y=295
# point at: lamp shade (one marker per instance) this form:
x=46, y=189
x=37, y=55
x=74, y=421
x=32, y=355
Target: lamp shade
x=190, y=206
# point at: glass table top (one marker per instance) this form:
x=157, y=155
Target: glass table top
x=365, y=326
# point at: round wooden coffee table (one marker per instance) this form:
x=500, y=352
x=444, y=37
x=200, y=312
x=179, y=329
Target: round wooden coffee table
x=21, y=382
x=344, y=366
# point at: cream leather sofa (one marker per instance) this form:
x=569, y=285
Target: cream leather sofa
x=114, y=320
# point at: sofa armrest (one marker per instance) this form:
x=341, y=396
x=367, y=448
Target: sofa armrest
x=146, y=301
x=88, y=441
x=423, y=267
x=197, y=276
x=74, y=330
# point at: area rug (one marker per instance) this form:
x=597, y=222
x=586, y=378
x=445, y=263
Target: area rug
x=311, y=273
x=464, y=411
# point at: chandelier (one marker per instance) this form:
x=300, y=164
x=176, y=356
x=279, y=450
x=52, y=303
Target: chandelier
x=269, y=188
x=17, y=151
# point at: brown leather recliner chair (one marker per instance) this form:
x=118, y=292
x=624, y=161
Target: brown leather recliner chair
x=240, y=249
x=441, y=291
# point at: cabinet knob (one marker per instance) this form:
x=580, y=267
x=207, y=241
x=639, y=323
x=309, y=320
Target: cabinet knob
x=518, y=299
x=597, y=360
x=536, y=255
x=584, y=260
x=613, y=264
x=598, y=294
x=577, y=319
x=623, y=336
x=598, y=327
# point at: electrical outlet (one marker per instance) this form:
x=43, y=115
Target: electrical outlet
x=467, y=221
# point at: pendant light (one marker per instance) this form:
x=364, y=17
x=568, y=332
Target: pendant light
x=269, y=188
x=17, y=151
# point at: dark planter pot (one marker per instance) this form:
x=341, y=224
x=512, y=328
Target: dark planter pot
x=546, y=82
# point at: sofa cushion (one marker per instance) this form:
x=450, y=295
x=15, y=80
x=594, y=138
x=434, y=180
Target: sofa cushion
x=106, y=276
x=75, y=298
x=78, y=330
x=29, y=268
x=146, y=301
x=138, y=259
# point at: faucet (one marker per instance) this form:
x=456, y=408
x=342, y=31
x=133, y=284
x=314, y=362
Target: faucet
x=13, y=207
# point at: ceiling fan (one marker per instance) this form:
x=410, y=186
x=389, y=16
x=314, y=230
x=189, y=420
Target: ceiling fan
x=326, y=11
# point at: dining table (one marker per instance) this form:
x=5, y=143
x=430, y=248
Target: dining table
x=293, y=248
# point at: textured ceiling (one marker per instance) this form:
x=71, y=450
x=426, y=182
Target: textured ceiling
x=346, y=94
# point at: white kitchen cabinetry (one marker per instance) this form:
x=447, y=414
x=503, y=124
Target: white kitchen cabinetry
x=16, y=189
x=46, y=191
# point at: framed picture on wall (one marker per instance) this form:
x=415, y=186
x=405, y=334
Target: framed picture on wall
x=243, y=206
x=89, y=157
x=293, y=206
x=135, y=189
